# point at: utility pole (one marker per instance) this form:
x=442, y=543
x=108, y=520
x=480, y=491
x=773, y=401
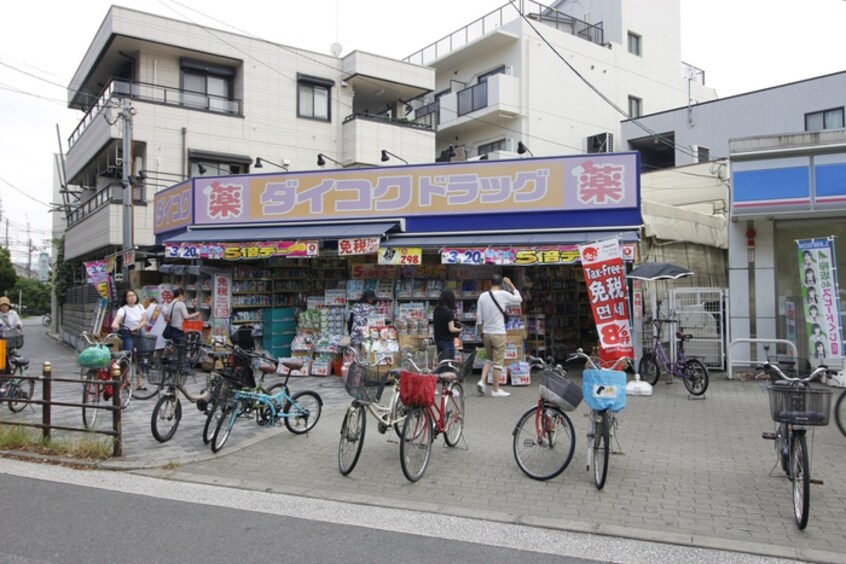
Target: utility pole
x=127, y=111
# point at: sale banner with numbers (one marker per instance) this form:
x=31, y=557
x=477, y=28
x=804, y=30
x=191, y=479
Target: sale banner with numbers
x=401, y=255
x=605, y=277
x=472, y=255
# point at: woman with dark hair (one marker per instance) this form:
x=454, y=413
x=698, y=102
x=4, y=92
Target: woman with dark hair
x=445, y=325
x=358, y=316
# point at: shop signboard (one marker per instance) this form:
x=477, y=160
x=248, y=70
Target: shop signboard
x=818, y=274
x=222, y=303
x=358, y=246
x=370, y=271
x=470, y=255
x=606, y=284
x=545, y=255
x=253, y=250
x=98, y=275
x=401, y=255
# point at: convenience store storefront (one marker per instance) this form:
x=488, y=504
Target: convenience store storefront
x=409, y=232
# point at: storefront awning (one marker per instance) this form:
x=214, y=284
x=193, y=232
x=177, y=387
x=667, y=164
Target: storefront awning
x=508, y=239
x=283, y=233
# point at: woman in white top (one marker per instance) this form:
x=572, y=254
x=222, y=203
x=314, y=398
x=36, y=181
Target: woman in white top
x=129, y=320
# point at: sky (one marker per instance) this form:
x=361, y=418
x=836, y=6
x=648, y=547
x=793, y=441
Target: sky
x=742, y=45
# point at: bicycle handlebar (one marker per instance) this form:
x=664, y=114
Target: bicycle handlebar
x=580, y=353
x=819, y=371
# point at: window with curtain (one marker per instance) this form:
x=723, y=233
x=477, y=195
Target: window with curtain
x=313, y=98
x=207, y=86
x=827, y=119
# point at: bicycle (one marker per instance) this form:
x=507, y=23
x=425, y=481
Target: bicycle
x=47, y=320
x=692, y=371
x=544, y=439
x=795, y=406
x=840, y=412
x=604, y=390
x=365, y=383
x=427, y=418
x=95, y=386
x=301, y=411
x=16, y=389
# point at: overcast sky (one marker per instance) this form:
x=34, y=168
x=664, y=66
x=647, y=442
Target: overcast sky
x=742, y=45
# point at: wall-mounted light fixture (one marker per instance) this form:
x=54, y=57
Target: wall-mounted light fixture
x=321, y=160
x=259, y=163
x=386, y=156
x=522, y=149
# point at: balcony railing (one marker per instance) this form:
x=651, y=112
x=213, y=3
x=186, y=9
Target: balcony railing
x=499, y=17
x=111, y=194
x=403, y=122
x=473, y=98
x=154, y=93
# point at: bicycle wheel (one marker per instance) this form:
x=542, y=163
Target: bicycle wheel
x=352, y=438
x=91, y=392
x=142, y=388
x=127, y=381
x=303, y=412
x=193, y=340
x=601, y=448
x=801, y=474
x=649, y=369
x=454, y=415
x=211, y=423
x=166, y=417
x=544, y=442
x=695, y=377
x=224, y=427
x=21, y=389
x=840, y=413
x=416, y=443
x=398, y=411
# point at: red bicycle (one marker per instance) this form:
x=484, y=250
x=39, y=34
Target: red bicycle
x=430, y=418
x=95, y=386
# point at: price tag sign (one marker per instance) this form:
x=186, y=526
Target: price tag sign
x=358, y=246
x=401, y=255
x=335, y=297
x=473, y=255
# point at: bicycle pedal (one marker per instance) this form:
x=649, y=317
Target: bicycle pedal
x=768, y=435
x=816, y=482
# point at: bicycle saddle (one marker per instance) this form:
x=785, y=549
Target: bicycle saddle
x=18, y=360
x=294, y=363
x=683, y=336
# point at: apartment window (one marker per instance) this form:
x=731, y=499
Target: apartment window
x=313, y=96
x=491, y=147
x=487, y=75
x=207, y=86
x=635, y=107
x=634, y=44
x=210, y=163
x=828, y=119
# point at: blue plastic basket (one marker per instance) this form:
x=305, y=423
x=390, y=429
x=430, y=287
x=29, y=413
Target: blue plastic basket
x=604, y=389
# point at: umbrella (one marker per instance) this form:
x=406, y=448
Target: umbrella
x=659, y=271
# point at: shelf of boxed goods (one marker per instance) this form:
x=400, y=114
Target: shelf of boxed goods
x=252, y=292
x=296, y=279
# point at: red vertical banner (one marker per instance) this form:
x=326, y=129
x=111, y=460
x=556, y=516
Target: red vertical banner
x=605, y=277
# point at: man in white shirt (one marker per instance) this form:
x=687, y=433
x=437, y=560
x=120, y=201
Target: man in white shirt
x=490, y=318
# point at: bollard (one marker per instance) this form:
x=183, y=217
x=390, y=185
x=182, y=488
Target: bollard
x=46, y=397
x=117, y=441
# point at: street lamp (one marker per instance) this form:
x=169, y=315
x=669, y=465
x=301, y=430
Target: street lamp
x=522, y=149
x=321, y=160
x=386, y=157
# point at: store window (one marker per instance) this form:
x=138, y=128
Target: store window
x=313, y=97
x=634, y=44
x=635, y=107
x=207, y=86
x=828, y=119
x=791, y=321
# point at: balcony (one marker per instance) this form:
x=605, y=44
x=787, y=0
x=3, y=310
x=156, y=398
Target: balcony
x=112, y=194
x=144, y=92
x=365, y=135
x=492, y=21
x=495, y=101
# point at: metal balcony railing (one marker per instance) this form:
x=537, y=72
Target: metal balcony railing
x=154, y=93
x=387, y=119
x=499, y=17
x=111, y=194
x=472, y=98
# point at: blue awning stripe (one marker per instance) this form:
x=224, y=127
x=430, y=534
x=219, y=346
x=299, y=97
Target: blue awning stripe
x=506, y=239
x=283, y=233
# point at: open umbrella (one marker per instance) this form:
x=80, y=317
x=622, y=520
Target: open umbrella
x=659, y=271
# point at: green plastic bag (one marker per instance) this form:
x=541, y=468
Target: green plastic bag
x=95, y=356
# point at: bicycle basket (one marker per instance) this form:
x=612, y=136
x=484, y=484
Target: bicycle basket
x=14, y=338
x=799, y=406
x=365, y=383
x=145, y=344
x=560, y=391
x=417, y=389
x=605, y=389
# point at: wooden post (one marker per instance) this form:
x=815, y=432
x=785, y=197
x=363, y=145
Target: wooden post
x=46, y=397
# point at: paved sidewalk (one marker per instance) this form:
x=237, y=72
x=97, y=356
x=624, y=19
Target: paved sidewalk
x=693, y=472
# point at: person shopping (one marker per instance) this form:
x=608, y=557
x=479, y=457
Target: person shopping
x=490, y=320
x=129, y=321
x=178, y=314
x=445, y=325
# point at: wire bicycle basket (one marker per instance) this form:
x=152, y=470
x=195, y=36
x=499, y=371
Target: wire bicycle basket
x=799, y=406
x=365, y=383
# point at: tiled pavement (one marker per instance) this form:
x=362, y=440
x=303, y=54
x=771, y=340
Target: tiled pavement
x=692, y=472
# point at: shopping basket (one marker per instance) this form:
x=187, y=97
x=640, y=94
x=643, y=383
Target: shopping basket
x=560, y=391
x=799, y=405
x=365, y=383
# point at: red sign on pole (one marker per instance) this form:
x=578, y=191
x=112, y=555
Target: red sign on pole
x=605, y=277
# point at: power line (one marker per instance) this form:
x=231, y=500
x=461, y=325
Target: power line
x=16, y=189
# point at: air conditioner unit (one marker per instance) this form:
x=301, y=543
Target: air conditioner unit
x=600, y=143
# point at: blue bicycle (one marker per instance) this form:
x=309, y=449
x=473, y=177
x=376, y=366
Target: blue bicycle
x=300, y=411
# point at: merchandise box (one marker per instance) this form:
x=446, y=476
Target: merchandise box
x=520, y=373
x=409, y=342
x=503, y=378
x=321, y=368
